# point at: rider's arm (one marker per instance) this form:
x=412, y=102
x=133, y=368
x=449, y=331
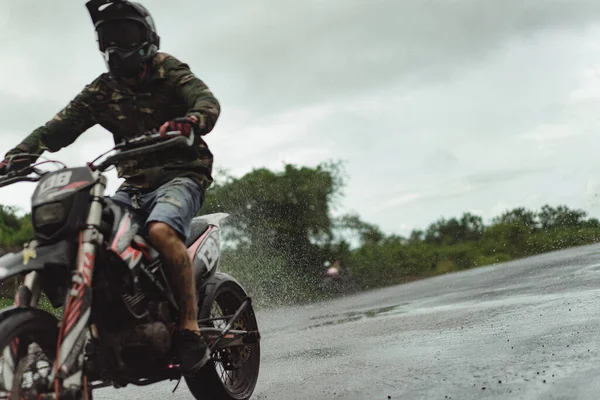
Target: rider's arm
x=63, y=129
x=201, y=102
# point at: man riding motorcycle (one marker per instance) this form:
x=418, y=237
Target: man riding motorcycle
x=145, y=90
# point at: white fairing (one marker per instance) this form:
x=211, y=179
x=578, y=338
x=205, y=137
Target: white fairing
x=213, y=219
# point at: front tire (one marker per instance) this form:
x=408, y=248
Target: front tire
x=27, y=338
x=214, y=381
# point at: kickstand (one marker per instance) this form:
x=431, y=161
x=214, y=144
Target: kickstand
x=176, y=386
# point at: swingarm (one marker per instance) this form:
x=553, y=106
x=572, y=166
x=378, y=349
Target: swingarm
x=226, y=337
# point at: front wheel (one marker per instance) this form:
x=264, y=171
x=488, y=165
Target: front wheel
x=232, y=373
x=28, y=348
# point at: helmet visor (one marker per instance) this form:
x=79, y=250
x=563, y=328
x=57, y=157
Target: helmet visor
x=123, y=33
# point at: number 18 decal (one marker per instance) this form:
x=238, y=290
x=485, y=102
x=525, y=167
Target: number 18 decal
x=56, y=181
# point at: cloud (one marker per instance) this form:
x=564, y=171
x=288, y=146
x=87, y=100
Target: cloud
x=440, y=159
x=272, y=54
x=456, y=187
x=302, y=52
x=592, y=191
x=436, y=106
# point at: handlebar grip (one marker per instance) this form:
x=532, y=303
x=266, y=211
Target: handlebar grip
x=150, y=137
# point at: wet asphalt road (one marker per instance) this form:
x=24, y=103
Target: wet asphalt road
x=528, y=329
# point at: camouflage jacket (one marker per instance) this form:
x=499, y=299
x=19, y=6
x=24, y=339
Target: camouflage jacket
x=170, y=90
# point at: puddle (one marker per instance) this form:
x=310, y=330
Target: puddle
x=309, y=354
x=324, y=316
x=593, y=267
x=325, y=352
x=351, y=316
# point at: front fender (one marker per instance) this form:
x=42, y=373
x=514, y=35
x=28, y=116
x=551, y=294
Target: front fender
x=208, y=291
x=13, y=264
x=45, y=316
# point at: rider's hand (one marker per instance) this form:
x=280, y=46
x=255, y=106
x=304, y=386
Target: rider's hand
x=21, y=158
x=17, y=164
x=4, y=167
x=183, y=125
x=18, y=161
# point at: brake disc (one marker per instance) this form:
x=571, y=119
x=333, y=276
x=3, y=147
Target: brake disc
x=31, y=376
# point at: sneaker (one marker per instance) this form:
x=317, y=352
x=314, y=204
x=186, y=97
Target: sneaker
x=192, y=351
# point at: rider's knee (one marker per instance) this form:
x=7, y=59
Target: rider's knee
x=161, y=234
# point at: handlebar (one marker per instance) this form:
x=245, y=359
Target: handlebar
x=144, y=144
x=22, y=175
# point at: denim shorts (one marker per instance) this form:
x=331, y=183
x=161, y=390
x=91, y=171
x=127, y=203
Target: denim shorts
x=175, y=203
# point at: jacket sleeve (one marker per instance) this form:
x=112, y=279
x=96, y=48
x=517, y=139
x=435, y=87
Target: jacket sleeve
x=63, y=129
x=200, y=101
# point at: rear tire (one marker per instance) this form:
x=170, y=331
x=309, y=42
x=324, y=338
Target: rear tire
x=208, y=383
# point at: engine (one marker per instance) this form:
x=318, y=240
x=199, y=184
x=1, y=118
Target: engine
x=136, y=304
x=144, y=346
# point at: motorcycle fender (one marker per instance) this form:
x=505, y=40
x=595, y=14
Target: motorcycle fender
x=13, y=264
x=42, y=315
x=206, y=254
x=209, y=290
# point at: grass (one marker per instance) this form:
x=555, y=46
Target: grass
x=44, y=304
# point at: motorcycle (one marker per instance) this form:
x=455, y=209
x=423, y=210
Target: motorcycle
x=91, y=257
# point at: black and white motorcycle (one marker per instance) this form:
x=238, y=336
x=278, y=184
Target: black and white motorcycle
x=91, y=257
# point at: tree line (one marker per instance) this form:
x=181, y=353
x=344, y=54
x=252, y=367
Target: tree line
x=282, y=230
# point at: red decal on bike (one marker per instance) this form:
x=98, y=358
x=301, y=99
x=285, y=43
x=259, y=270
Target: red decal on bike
x=75, y=312
x=15, y=347
x=74, y=185
x=88, y=261
x=125, y=225
x=144, y=248
x=86, y=277
x=74, y=309
x=131, y=256
x=192, y=250
x=75, y=305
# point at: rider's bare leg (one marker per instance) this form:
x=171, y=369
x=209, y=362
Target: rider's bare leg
x=178, y=270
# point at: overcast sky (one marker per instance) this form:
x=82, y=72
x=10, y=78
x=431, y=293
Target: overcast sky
x=437, y=107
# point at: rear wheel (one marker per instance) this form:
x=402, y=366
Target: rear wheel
x=232, y=373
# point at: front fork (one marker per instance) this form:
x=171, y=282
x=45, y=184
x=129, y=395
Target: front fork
x=28, y=294
x=68, y=367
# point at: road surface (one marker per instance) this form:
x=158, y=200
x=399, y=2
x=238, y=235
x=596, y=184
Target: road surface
x=528, y=329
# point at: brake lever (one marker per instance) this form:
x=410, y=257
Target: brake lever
x=38, y=171
x=21, y=173
x=21, y=176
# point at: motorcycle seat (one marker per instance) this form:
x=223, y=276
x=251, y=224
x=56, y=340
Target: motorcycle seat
x=198, y=226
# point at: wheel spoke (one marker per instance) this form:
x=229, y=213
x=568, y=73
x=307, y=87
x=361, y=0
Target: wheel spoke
x=234, y=369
